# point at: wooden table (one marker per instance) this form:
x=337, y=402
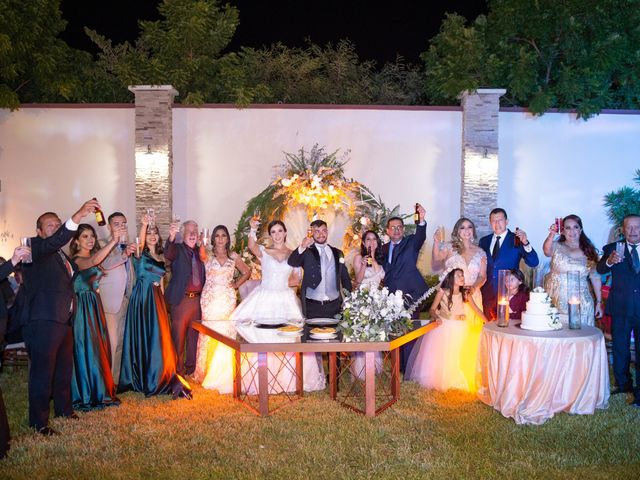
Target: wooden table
x=234, y=339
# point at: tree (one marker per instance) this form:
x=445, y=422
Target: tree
x=35, y=65
x=183, y=49
x=315, y=74
x=574, y=54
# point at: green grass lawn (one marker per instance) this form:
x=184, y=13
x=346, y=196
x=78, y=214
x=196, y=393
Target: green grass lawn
x=425, y=435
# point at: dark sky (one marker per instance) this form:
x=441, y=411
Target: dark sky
x=380, y=30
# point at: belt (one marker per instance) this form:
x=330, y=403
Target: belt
x=322, y=302
x=192, y=294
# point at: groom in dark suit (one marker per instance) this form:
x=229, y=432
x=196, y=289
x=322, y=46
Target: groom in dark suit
x=502, y=254
x=325, y=274
x=47, y=317
x=400, y=267
x=623, y=304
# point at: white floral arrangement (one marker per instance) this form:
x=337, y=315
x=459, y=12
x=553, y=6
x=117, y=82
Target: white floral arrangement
x=374, y=314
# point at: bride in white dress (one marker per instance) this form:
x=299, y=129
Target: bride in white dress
x=447, y=354
x=274, y=298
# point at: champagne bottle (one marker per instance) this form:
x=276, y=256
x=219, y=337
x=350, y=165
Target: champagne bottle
x=100, y=216
x=416, y=216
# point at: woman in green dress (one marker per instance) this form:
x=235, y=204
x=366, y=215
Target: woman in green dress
x=92, y=384
x=148, y=355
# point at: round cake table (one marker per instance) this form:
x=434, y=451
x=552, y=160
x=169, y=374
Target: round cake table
x=529, y=376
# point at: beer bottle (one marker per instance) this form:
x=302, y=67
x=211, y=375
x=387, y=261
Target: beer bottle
x=416, y=216
x=369, y=259
x=100, y=216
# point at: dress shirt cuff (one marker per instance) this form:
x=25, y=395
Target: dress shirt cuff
x=607, y=264
x=527, y=247
x=301, y=249
x=71, y=225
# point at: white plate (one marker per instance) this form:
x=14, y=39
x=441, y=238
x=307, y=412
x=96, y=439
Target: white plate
x=323, y=336
x=322, y=321
x=271, y=321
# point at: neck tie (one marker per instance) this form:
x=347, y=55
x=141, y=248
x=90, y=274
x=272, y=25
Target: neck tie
x=195, y=270
x=391, y=247
x=635, y=261
x=496, y=248
x=323, y=268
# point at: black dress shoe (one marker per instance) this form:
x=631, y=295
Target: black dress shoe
x=48, y=432
x=73, y=416
x=618, y=390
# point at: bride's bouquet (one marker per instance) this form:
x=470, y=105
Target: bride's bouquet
x=372, y=314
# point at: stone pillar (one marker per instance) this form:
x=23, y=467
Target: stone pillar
x=154, y=153
x=479, y=189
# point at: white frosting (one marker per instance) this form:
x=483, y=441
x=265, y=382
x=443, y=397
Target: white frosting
x=539, y=313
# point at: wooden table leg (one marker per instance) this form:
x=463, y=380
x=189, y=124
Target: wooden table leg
x=333, y=377
x=237, y=374
x=370, y=384
x=263, y=385
x=299, y=375
x=395, y=373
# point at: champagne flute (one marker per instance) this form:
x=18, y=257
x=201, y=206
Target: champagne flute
x=122, y=241
x=151, y=213
x=441, y=237
x=205, y=236
x=26, y=242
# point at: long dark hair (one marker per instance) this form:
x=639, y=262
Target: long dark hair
x=520, y=276
x=159, y=248
x=363, y=249
x=74, y=248
x=449, y=283
x=227, y=245
x=456, y=242
x=584, y=243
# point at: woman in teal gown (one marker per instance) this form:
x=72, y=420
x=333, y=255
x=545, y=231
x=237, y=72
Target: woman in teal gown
x=148, y=356
x=92, y=384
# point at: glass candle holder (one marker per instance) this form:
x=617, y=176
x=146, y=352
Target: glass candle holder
x=573, y=297
x=503, y=298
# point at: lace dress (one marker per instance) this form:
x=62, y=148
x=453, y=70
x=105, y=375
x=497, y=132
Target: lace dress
x=555, y=282
x=273, y=298
x=214, y=363
x=372, y=279
x=446, y=357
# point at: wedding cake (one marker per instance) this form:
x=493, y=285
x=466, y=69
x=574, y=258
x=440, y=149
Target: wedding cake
x=540, y=314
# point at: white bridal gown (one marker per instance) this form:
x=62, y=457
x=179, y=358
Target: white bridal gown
x=273, y=298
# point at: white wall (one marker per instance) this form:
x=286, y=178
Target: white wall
x=556, y=165
x=223, y=157
x=56, y=158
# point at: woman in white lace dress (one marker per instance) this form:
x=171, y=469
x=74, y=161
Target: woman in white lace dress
x=367, y=266
x=447, y=354
x=274, y=298
x=214, y=365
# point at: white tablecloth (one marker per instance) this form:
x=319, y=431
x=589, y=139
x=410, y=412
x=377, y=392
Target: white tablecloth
x=529, y=376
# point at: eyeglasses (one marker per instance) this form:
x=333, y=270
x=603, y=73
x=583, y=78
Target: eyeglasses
x=396, y=227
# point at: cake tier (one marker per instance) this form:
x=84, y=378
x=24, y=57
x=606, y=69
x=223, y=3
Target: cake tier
x=537, y=308
x=539, y=323
x=538, y=297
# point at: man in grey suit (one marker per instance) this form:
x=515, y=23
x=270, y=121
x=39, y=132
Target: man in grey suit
x=115, y=289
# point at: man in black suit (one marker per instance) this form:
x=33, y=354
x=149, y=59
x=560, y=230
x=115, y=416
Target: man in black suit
x=183, y=292
x=623, y=304
x=400, y=267
x=6, y=268
x=325, y=274
x=48, y=313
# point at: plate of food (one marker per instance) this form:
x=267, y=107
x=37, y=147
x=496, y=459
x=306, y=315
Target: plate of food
x=322, y=321
x=323, y=333
x=290, y=330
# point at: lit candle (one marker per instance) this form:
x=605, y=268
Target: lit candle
x=137, y=246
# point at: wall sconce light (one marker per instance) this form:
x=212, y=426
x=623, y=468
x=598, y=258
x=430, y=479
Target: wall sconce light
x=485, y=153
x=149, y=150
